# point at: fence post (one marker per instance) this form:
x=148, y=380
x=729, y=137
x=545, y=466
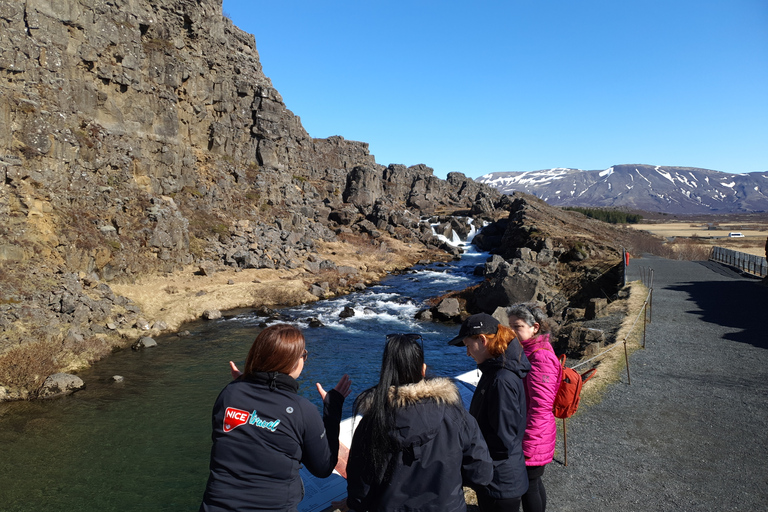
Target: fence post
x=626, y=356
x=565, y=442
x=650, y=309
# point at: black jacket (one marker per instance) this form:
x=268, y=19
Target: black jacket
x=440, y=450
x=262, y=431
x=498, y=405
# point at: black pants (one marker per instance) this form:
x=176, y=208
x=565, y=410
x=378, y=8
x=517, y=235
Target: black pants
x=488, y=504
x=535, y=498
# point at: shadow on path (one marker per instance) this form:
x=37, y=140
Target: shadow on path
x=738, y=304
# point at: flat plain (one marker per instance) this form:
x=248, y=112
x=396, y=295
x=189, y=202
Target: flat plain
x=714, y=231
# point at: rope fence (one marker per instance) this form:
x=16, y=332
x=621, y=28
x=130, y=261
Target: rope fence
x=645, y=312
x=646, y=276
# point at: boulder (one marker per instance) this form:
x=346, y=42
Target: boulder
x=573, y=314
x=503, y=291
x=425, y=315
x=60, y=384
x=579, y=341
x=347, y=312
x=317, y=291
x=501, y=315
x=144, y=342
x=448, y=309
x=211, y=314
x=595, y=308
x=142, y=324
x=314, y=322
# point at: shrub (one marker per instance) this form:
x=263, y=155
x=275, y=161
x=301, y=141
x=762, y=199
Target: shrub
x=26, y=366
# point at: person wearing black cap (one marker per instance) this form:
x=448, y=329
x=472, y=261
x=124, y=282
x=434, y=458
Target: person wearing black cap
x=498, y=405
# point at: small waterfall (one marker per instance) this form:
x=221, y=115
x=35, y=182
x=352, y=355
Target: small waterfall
x=455, y=239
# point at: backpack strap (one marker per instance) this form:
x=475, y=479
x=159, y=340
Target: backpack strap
x=588, y=375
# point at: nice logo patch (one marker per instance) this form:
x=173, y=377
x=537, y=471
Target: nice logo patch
x=233, y=418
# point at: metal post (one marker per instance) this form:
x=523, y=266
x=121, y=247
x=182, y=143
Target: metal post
x=565, y=442
x=626, y=356
x=645, y=317
x=650, y=309
x=624, y=266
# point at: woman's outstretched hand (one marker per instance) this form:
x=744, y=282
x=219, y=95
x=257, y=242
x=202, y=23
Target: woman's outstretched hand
x=234, y=371
x=344, y=387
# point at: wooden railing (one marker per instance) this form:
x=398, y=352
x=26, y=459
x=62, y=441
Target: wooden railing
x=755, y=265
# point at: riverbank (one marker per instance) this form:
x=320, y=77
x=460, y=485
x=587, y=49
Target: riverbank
x=155, y=304
x=184, y=296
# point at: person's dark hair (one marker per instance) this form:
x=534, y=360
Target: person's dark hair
x=276, y=349
x=530, y=313
x=401, y=364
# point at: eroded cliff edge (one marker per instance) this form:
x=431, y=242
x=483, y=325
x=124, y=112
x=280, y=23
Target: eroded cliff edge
x=141, y=137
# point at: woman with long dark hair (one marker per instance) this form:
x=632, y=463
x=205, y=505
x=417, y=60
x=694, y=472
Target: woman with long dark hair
x=416, y=445
x=263, y=430
x=498, y=405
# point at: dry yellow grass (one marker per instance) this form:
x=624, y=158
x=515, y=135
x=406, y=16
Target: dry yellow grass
x=756, y=230
x=753, y=242
x=176, y=298
x=613, y=363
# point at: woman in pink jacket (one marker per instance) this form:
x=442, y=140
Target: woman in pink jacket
x=532, y=329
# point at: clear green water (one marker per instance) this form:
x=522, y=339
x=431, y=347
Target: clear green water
x=143, y=444
x=138, y=445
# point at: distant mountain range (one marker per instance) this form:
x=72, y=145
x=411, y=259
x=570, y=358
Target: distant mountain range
x=641, y=187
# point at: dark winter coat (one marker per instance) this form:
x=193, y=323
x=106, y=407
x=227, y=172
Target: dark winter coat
x=499, y=407
x=262, y=432
x=440, y=449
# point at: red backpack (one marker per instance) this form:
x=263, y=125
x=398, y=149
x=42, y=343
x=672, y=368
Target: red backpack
x=569, y=391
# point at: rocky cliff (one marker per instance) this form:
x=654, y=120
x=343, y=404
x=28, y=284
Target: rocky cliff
x=141, y=136
x=562, y=260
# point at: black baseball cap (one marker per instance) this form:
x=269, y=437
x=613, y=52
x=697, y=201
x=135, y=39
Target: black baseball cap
x=481, y=323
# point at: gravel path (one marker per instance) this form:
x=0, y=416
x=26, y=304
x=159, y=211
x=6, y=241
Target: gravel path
x=689, y=433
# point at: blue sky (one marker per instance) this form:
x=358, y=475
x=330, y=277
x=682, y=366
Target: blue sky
x=524, y=85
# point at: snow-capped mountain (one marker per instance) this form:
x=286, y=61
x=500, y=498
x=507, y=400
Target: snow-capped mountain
x=641, y=187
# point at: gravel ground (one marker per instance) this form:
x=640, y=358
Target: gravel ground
x=689, y=433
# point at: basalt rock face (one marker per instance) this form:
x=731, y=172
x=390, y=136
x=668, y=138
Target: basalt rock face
x=560, y=259
x=139, y=128
x=545, y=254
x=142, y=136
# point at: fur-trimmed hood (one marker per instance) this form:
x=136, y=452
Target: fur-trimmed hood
x=436, y=449
x=440, y=390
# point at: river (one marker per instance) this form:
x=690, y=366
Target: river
x=143, y=444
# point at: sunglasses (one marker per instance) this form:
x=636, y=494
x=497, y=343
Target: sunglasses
x=409, y=336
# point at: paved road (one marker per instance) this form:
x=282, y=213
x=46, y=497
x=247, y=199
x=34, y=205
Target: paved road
x=689, y=433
